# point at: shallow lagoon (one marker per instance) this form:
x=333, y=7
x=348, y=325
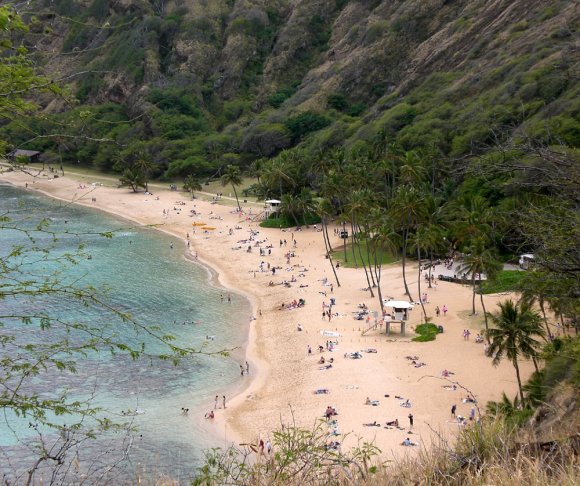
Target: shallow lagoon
x=137, y=271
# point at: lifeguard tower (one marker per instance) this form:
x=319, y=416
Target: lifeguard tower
x=272, y=206
x=399, y=314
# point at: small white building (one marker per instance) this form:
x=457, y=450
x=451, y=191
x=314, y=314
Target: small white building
x=400, y=309
x=400, y=314
x=271, y=206
x=526, y=260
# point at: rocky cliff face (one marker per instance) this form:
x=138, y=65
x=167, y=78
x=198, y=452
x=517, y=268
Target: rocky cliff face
x=250, y=62
x=364, y=48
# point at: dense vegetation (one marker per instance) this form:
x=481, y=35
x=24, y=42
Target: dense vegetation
x=194, y=87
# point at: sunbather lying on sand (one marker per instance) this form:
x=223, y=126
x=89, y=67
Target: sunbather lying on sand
x=374, y=403
x=372, y=424
x=393, y=423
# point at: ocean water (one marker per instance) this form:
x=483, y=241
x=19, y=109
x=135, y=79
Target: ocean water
x=136, y=271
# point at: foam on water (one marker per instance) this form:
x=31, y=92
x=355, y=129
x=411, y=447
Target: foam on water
x=143, y=275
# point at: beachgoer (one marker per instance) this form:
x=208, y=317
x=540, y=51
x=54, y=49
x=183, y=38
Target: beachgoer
x=216, y=402
x=209, y=415
x=224, y=401
x=437, y=311
x=410, y=419
x=247, y=368
x=444, y=309
x=453, y=409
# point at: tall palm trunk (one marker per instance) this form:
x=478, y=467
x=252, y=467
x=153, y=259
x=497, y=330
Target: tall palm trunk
x=355, y=244
x=516, y=366
x=352, y=243
x=366, y=232
x=419, y=283
x=325, y=228
x=237, y=200
x=407, y=291
x=430, y=266
x=377, y=270
x=329, y=250
x=364, y=264
x=543, y=309
x=484, y=315
x=473, y=296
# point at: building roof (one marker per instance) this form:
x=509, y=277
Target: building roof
x=23, y=153
x=273, y=201
x=398, y=304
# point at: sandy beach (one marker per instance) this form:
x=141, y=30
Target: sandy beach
x=283, y=378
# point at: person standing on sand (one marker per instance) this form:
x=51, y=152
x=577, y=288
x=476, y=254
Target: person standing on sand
x=453, y=409
x=444, y=309
x=247, y=368
x=215, y=403
x=437, y=311
x=411, y=420
x=224, y=401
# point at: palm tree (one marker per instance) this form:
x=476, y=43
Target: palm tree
x=133, y=178
x=191, y=184
x=472, y=218
x=232, y=176
x=420, y=243
x=143, y=165
x=534, y=289
x=276, y=173
x=408, y=210
x=479, y=259
x=513, y=335
x=289, y=207
x=360, y=202
x=325, y=211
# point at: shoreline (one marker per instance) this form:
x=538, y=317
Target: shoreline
x=284, y=376
x=213, y=276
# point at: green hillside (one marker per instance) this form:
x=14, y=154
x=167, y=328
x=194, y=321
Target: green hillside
x=197, y=85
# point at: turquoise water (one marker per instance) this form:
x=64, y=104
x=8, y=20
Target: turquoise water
x=136, y=271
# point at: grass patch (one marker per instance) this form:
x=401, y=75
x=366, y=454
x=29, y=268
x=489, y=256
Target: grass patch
x=505, y=281
x=426, y=332
x=353, y=255
x=285, y=222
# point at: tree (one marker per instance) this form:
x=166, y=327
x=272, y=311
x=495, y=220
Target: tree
x=408, y=210
x=191, y=184
x=289, y=207
x=515, y=326
x=325, y=211
x=18, y=79
x=232, y=176
x=478, y=260
x=420, y=244
x=144, y=167
x=133, y=178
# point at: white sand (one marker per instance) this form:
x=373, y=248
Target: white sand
x=283, y=376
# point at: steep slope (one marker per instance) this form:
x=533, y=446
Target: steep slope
x=208, y=81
